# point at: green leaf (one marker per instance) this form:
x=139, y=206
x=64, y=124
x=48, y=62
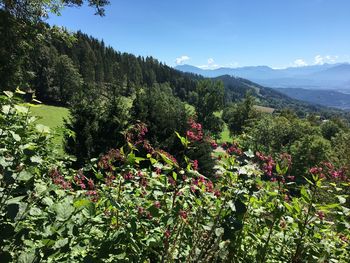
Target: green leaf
x=175, y=176
x=26, y=257
x=231, y=204
x=35, y=211
x=15, y=136
x=8, y=93
x=60, y=243
x=64, y=210
x=36, y=159
x=289, y=207
x=24, y=176
x=305, y=194
x=81, y=203
x=15, y=200
x=21, y=109
x=42, y=128
x=219, y=231
x=249, y=153
x=341, y=199
x=121, y=256
x=6, y=109
x=18, y=91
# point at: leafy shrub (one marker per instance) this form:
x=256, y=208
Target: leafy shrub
x=139, y=204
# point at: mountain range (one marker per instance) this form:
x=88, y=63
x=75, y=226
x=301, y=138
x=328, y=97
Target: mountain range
x=325, y=84
x=326, y=76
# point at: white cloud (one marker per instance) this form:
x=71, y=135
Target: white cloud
x=299, y=63
x=210, y=65
x=234, y=64
x=181, y=60
x=320, y=60
x=210, y=61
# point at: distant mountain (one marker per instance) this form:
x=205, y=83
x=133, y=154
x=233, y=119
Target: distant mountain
x=322, y=79
x=328, y=98
x=236, y=88
x=326, y=76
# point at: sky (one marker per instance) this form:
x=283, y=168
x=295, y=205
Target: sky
x=221, y=33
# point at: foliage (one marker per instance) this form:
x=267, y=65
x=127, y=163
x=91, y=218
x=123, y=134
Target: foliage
x=139, y=204
x=96, y=123
x=237, y=116
x=210, y=99
x=162, y=112
x=37, y=9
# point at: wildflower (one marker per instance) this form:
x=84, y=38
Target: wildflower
x=213, y=144
x=143, y=182
x=195, y=165
x=91, y=184
x=183, y=214
x=209, y=186
x=93, y=195
x=157, y=204
x=313, y=170
x=291, y=177
x=171, y=181
x=109, y=179
x=167, y=233
x=217, y=193
x=320, y=215
x=128, y=176
x=140, y=210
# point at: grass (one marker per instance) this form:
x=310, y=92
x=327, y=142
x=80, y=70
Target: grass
x=52, y=117
x=264, y=109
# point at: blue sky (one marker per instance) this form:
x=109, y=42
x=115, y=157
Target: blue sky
x=227, y=33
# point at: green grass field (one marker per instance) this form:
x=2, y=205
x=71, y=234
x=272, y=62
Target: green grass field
x=52, y=117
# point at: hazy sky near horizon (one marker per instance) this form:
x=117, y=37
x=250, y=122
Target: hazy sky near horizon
x=222, y=33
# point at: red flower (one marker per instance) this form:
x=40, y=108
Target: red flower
x=195, y=165
x=320, y=215
x=157, y=204
x=128, y=176
x=183, y=214
x=167, y=233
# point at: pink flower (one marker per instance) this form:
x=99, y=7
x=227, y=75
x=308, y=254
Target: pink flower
x=171, y=181
x=320, y=215
x=167, y=233
x=128, y=176
x=157, y=204
x=91, y=184
x=183, y=214
x=195, y=165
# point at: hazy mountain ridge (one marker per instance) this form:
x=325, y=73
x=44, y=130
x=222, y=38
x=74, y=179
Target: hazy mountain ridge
x=326, y=76
x=330, y=98
x=327, y=84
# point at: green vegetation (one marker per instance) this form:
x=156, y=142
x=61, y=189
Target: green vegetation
x=139, y=204
x=52, y=117
x=144, y=184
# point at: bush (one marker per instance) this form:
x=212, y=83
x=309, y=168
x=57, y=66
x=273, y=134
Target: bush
x=132, y=207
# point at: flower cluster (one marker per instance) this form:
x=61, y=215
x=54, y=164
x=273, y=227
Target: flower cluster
x=195, y=133
x=232, y=148
x=327, y=170
x=59, y=180
x=108, y=159
x=268, y=164
x=136, y=134
x=205, y=185
x=213, y=144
